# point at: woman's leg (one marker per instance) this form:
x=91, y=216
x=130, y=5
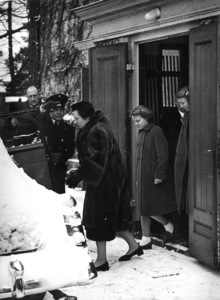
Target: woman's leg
x=161, y=219
x=101, y=253
x=134, y=248
x=128, y=237
x=169, y=228
x=166, y=223
x=145, y=224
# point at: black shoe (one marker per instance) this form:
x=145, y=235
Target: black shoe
x=168, y=236
x=127, y=257
x=103, y=267
x=147, y=246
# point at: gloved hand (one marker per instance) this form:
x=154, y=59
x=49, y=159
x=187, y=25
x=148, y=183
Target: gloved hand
x=42, y=109
x=55, y=158
x=72, y=179
x=49, y=105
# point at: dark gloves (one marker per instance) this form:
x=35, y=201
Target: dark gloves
x=55, y=158
x=72, y=179
x=49, y=105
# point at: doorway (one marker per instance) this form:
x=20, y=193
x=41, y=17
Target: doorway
x=163, y=70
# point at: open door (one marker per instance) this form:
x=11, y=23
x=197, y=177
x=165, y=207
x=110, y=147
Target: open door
x=204, y=178
x=108, y=87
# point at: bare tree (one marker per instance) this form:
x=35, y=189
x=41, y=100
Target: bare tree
x=34, y=42
x=13, y=20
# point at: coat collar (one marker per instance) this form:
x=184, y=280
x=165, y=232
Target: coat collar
x=185, y=118
x=98, y=117
x=147, y=127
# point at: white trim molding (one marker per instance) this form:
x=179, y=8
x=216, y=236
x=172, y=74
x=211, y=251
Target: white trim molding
x=114, y=19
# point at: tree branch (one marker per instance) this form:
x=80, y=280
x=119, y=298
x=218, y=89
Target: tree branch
x=25, y=26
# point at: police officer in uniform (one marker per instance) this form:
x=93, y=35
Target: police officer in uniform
x=59, y=138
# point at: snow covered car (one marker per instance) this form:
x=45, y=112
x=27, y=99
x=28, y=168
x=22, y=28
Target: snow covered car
x=36, y=252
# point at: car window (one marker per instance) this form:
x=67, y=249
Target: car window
x=19, y=129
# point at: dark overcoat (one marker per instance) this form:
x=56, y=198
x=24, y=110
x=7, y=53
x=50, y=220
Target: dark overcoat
x=107, y=202
x=153, y=163
x=60, y=138
x=181, y=165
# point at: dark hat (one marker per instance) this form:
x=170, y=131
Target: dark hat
x=54, y=101
x=183, y=93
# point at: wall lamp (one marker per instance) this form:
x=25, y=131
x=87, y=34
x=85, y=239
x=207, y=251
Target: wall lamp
x=153, y=14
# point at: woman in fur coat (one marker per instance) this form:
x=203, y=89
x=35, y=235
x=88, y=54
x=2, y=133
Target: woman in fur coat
x=154, y=193
x=106, y=208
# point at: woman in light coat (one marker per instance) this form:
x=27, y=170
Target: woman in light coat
x=154, y=186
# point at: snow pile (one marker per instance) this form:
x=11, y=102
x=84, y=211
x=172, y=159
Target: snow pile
x=32, y=218
x=30, y=215
x=18, y=234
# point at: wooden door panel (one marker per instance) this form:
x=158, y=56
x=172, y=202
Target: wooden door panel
x=205, y=252
x=203, y=128
x=108, y=86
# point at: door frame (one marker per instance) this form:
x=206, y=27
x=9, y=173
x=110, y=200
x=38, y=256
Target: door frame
x=133, y=46
x=163, y=34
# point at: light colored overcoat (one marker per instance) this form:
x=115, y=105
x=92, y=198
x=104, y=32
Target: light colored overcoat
x=153, y=162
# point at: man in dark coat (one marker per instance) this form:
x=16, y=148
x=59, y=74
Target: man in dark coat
x=59, y=139
x=22, y=126
x=181, y=165
x=33, y=101
x=27, y=122
x=107, y=202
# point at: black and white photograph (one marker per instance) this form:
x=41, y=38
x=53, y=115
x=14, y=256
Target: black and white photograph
x=110, y=149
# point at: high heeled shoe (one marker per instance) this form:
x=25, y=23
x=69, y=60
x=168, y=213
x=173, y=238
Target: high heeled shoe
x=103, y=267
x=127, y=257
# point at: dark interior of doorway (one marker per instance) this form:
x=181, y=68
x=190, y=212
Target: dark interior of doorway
x=164, y=69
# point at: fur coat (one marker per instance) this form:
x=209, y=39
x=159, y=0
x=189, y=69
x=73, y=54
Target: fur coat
x=107, y=203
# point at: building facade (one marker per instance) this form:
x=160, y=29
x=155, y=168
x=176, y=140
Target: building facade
x=142, y=52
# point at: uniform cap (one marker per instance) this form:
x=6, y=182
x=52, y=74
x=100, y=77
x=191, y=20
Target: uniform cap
x=54, y=101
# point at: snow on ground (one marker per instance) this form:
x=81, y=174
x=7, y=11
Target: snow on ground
x=159, y=274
